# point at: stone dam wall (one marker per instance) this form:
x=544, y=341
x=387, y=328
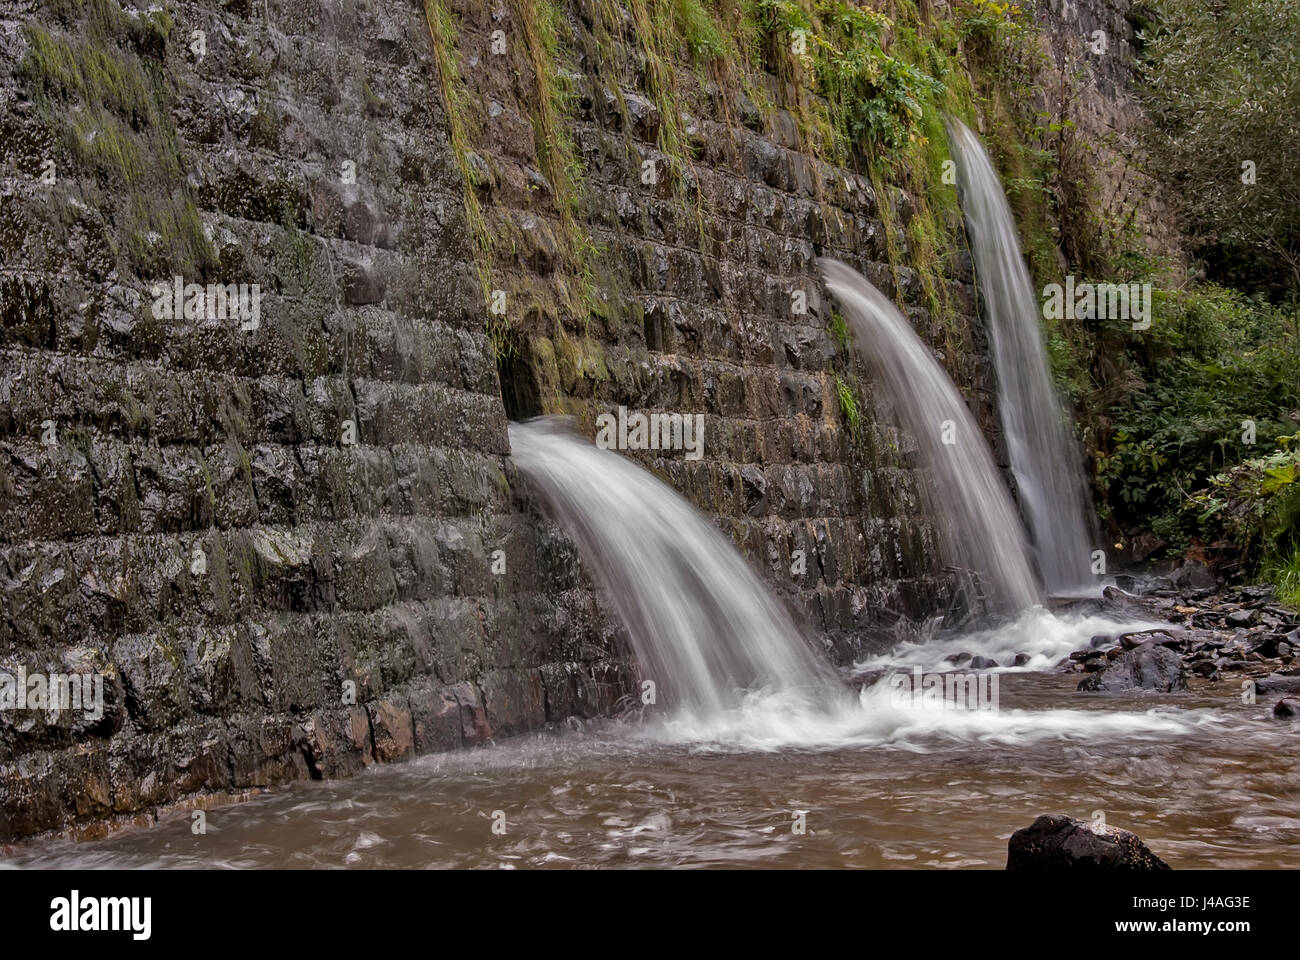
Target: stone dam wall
x=276, y=541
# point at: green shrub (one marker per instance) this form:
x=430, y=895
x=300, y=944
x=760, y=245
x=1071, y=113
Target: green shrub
x=1256, y=504
x=1212, y=360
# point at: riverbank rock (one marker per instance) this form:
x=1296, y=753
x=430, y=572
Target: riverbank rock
x=1194, y=576
x=1147, y=667
x=1277, y=683
x=1058, y=842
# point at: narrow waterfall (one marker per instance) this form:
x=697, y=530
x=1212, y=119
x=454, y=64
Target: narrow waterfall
x=1044, y=458
x=704, y=627
x=977, y=523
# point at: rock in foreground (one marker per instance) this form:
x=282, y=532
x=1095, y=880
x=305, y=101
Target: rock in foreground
x=1058, y=842
x=1147, y=667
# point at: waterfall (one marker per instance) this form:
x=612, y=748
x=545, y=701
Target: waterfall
x=1045, y=461
x=976, y=521
x=704, y=628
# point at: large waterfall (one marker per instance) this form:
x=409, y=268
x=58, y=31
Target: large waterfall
x=976, y=520
x=1044, y=458
x=704, y=627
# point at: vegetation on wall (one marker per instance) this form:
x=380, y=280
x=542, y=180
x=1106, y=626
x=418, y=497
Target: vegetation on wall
x=103, y=88
x=869, y=86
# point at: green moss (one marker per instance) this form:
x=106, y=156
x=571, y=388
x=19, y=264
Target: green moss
x=461, y=127
x=840, y=331
x=102, y=91
x=848, y=399
x=704, y=36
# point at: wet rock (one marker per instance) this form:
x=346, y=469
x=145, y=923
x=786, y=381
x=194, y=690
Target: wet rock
x=1288, y=708
x=391, y=731
x=1058, y=842
x=1194, y=576
x=1255, y=592
x=1143, y=545
x=957, y=659
x=1130, y=641
x=1021, y=660
x=755, y=485
x=1242, y=618
x=1205, y=668
x=1278, y=683
x=982, y=663
x=362, y=283
x=1118, y=601
x=1099, y=641
x=1149, y=667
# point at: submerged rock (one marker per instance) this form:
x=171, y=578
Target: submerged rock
x=1288, y=708
x=1146, y=667
x=1058, y=842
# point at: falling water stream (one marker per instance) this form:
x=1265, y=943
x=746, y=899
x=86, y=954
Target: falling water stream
x=705, y=628
x=1046, y=462
x=973, y=514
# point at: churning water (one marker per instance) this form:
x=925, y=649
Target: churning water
x=974, y=516
x=1209, y=783
x=1046, y=462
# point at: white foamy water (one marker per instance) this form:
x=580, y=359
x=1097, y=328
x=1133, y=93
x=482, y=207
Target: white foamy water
x=732, y=668
x=1046, y=638
x=878, y=717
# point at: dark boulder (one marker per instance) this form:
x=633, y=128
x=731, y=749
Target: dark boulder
x=1242, y=618
x=1147, y=667
x=982, y=663
x=1058, y=842
x=1288, y=708
x=1194, y=576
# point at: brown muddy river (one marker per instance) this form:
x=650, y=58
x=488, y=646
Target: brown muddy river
x=1204, y=779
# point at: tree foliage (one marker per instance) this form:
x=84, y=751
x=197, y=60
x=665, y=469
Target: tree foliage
x=1222, y=83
